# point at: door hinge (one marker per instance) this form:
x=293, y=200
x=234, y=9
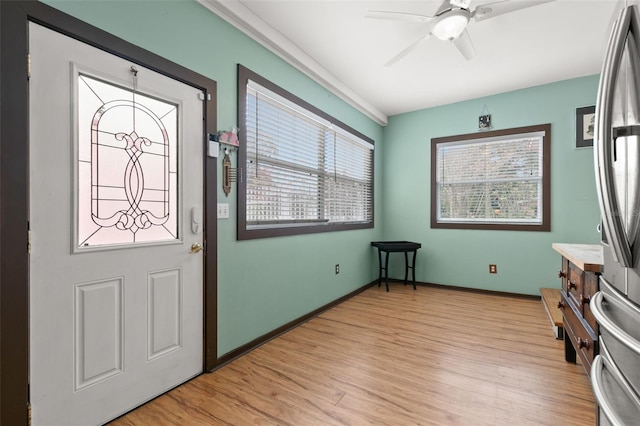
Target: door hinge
x=28, y=65
x=28, y=241
x=202, y=97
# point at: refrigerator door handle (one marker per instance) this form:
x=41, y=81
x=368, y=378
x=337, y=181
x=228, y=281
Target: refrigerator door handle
x=600, y=363
x=604, y=321
x=603, y=141
x=623, y=132
x=598, y=391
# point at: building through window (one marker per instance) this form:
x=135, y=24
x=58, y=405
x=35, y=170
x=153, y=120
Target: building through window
x=303, y=171
x=492, y=180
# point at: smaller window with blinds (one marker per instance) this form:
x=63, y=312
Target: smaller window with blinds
x=304, y=171
x=492, y=180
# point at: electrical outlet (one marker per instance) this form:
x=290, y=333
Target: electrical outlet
x=493, y=269
x=337, y=268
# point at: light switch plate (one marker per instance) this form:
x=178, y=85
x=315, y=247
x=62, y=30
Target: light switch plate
x=213, y=149
x=223, y=210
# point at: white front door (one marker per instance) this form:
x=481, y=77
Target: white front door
x=116, y=199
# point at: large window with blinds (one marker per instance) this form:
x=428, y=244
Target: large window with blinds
x=492, y=180
x=303, y=171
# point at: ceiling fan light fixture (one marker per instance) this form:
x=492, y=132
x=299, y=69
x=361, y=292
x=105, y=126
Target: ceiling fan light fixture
x=450, y=25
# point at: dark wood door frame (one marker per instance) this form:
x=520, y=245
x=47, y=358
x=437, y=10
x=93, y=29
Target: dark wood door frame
x=14, y=187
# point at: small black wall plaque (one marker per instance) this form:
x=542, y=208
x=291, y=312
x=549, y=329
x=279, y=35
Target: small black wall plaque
x=484, y=122
x=585, y=121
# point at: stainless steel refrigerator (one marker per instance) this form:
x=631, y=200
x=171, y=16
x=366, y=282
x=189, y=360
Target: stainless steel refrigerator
x=615, y=372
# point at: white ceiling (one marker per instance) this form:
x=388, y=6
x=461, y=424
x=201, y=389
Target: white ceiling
x=334, y=43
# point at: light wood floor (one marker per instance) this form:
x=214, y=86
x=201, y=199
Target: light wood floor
x=426, y=357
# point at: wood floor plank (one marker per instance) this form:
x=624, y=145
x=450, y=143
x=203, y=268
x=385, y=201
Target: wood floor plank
x=433, y=356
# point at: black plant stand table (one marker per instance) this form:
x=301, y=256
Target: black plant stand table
x=396, y=247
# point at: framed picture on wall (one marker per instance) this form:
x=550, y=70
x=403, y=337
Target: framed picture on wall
x=585, y=122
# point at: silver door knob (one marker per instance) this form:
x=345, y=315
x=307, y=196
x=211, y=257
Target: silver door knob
x=196, y=247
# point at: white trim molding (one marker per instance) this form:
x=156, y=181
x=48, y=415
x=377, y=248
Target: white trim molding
x=236, y=14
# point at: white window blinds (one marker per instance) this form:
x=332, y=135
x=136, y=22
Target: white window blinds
x=491, y=180
x=302, y=169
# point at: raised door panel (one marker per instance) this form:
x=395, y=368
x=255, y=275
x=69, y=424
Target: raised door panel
x=98, y=334
x=164, y=301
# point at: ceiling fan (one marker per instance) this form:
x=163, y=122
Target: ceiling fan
x=450, y=22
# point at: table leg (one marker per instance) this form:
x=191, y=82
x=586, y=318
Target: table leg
x=406, y=268
x=569, y=350
x=413, y=268
x=379, y=267
x=386, y=270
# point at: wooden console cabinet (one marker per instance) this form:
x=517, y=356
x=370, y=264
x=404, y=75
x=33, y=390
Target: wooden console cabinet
x=581, y=267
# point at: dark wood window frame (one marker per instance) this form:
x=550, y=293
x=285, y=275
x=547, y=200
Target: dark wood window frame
x=544, y=226
x=243, y=233
x=14, y=187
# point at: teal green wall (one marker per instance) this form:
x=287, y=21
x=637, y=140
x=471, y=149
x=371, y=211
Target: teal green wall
x=525, y=260
x=262, y=284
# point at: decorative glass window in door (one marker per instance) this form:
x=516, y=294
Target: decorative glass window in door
x=127, y=165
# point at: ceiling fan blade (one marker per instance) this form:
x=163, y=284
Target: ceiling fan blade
x=490, y=10
x=465, y=46
x=406, y=51
x=397, y=16
x=446, y=5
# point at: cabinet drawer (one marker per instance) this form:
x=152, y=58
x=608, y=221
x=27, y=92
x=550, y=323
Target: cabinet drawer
x=580, y=333
x=590, y=288
x=575, y=282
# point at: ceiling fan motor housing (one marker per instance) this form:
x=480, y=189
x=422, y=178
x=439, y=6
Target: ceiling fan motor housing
x=451, y=24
